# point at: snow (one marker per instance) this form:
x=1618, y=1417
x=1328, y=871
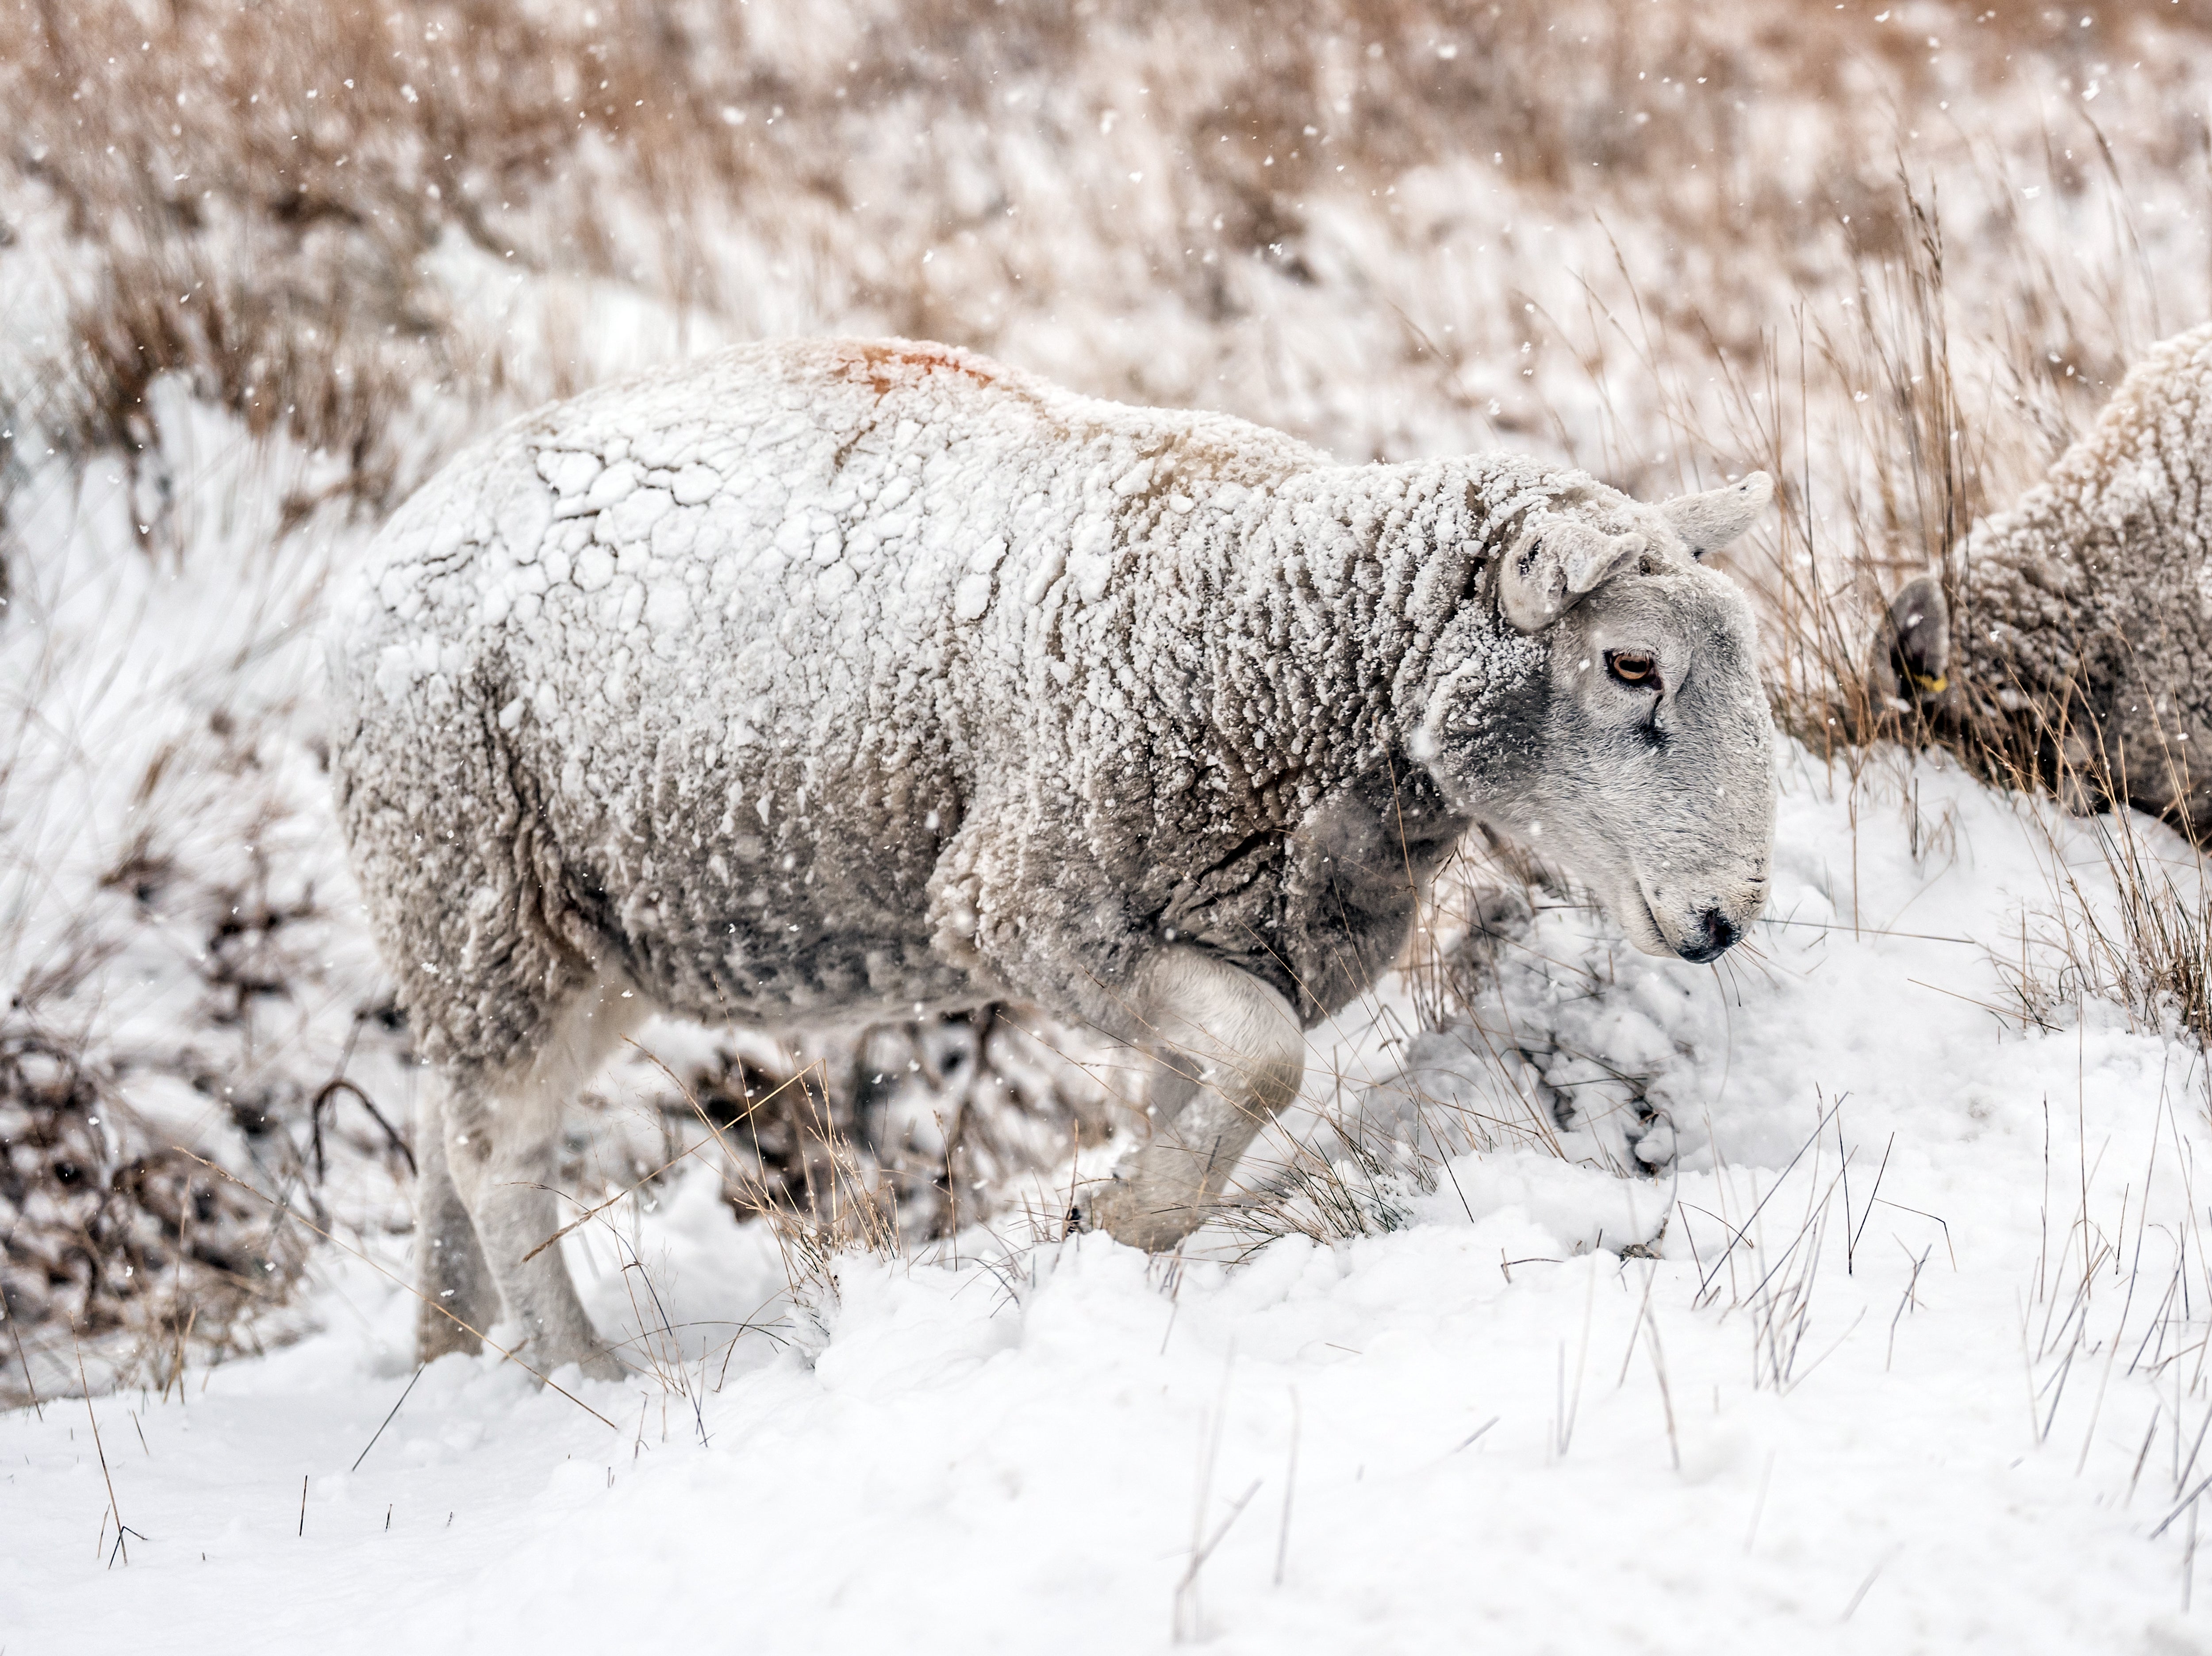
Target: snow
x=1900, y=1416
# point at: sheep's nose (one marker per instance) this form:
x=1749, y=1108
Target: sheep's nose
x=1713, y=937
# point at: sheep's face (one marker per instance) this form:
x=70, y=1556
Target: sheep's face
x=1635, y=749
x=1655, y=782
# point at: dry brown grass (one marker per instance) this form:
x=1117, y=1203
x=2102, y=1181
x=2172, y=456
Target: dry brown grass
x=259, y=189
x=2130, y=924
x=257, y=193
x=112, y=1228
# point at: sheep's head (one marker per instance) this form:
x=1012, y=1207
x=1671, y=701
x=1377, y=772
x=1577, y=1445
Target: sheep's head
x=1635, y=747
x=1909, y=663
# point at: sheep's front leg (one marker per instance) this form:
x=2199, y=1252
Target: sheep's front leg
x=449, y=1266
x=1228, y=1056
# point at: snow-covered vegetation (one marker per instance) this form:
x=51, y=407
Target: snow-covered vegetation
x=1851, y=1293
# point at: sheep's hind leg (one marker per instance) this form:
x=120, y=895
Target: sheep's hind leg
x=450, y=1271
x=499, y=1138
x=1228, y=1055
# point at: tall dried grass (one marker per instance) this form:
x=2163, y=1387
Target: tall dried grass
x=257, y=198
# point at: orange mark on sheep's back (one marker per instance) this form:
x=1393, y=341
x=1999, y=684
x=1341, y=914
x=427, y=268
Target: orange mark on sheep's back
x=878, y=365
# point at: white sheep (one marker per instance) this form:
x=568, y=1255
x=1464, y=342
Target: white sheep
x=2075, y=640
x=833, y=682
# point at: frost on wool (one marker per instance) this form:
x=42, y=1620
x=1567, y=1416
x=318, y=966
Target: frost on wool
x=816, y=681
x=2076, y=640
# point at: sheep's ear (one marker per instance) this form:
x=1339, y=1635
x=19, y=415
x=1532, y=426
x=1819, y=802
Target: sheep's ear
x=1555, y=565
x=1710, y=521
x=1911, y=656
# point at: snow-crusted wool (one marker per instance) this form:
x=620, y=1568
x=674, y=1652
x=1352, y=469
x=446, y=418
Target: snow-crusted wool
x=2079, y=635
x=834, y=682
x=806, y=680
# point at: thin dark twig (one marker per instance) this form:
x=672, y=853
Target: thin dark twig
x=29, y=1380
x=100, y=1449
x=1876, y=1192
x=1475, y=1434
x=2188, y=1501
x=331, y=1089
x=388, y=1419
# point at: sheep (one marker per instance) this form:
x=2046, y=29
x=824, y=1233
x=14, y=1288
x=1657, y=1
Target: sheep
x=2075, y=644
x=820, y=683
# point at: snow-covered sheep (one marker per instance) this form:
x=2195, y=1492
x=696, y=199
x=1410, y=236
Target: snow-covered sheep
x=844, y=681
x=2077, y=643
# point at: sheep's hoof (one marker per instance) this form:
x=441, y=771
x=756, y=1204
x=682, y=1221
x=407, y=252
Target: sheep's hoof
x=437, y=1337
x=1114, y=1207
x=595, y=1365
x=603, y=1366
x=545, y=1357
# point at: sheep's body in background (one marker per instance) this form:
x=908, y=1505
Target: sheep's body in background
x=832, y=682
x=2078, y=636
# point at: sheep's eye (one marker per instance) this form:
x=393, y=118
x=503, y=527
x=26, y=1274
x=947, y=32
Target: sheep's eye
x=1632, y=667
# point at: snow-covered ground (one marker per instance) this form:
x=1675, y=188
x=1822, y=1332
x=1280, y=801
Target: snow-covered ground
x=1904, y=1352
x=1852, y=1295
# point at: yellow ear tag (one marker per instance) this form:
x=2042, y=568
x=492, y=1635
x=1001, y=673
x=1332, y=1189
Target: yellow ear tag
x=1930, y=686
